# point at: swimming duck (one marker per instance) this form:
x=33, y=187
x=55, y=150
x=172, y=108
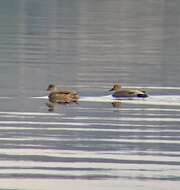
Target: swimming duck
x=119, y=92
x=59, y=96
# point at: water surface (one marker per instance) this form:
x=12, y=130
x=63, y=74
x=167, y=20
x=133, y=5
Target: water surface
x=88, y=46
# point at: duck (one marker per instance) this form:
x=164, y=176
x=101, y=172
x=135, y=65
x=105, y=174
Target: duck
x=120, y=92
x=61, y=96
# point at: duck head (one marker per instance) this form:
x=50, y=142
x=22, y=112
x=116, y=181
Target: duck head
x=116, y=87
x=51, y=88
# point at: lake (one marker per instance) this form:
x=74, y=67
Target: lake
x=87, y=46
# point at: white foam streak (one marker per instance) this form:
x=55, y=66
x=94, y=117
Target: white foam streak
x=86, y=154
x=104, y=86
x=129, y=109
x=6, y=97
x=43, y=123
x=131, y=141
x=155, y=87
x=169, y=100
x=30, y=113
x=88, y=129
x=127, y=118
x=40, y=97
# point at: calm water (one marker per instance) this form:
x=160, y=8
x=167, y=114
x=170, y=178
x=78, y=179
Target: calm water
x=87, y=46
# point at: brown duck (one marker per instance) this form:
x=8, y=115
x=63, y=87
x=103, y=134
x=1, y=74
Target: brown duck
x=59, y=96
x=119, y=92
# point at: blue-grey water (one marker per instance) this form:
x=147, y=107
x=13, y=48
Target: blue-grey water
x=87, y=46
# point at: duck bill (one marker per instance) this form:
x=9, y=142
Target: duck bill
x=48, y=89
x=111, y=89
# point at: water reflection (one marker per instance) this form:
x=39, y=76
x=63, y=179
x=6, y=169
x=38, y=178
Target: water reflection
x=117, y=104
x=52, y=105
x=87, y=46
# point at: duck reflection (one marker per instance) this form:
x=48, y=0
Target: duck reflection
x=51, y=105
x=117, y=104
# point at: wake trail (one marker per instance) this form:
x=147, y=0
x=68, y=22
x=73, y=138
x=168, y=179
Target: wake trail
x=173, y=100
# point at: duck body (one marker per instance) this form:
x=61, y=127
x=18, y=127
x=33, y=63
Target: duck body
x=130, y=93
x=59, y=96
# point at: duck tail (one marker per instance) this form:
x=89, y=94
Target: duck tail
x=142, y=95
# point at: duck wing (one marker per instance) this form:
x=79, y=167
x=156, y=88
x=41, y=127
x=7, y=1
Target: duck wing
x=125, y=93
x=66, y=92
x=130, y=92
